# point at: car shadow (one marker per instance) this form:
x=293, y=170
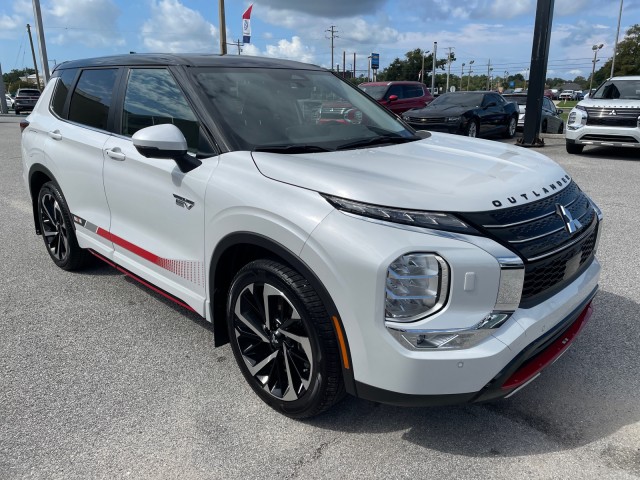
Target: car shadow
x=611, y=153
x=590, y=393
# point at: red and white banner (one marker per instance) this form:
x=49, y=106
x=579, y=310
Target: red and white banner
x=246, y=25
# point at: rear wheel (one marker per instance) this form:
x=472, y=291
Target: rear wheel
x=545, y=127
x=561, y=128
x=57, y=229
x=283, y=339
x=573, y=148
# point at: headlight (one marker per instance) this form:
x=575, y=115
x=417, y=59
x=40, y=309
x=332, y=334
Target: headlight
x=577, y=118
x=434, y=220
x=417, y=285
x=453, y=119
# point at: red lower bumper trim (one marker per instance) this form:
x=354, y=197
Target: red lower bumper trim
x=532, y=367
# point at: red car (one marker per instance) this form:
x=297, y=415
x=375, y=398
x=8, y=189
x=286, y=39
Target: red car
x=399, y=96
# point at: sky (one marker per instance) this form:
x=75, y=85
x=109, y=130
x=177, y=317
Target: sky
x=499, y=31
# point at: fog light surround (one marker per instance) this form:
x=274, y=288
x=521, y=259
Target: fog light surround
x=453, y=339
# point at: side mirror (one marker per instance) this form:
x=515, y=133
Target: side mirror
x=559, y=111
x=165, y=141
x=393, y=98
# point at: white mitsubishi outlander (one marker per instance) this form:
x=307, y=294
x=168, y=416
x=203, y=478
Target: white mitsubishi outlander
x=336, y=249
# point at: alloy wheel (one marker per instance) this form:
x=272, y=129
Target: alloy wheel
x=512, y=127
x=473, y=130
x=54, y=228
x=273, y=341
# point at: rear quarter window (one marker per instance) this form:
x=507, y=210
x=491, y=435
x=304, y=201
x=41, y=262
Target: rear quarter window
x=63, y=86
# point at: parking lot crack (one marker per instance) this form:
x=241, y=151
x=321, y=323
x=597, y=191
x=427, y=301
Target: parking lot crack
x=309, y=459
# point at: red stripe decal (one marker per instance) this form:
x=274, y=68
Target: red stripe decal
x=129, y=246
x=166, y=295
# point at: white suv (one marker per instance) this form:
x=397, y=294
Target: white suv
x=336, y=254
x=609, y=117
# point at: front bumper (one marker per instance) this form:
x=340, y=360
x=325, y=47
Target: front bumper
x=521, y=371
x=604, y=136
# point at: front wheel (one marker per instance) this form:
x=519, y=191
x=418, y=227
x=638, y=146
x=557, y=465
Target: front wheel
x=472, y=129
x=511, y=128
x=561, y=128
x=57, y=229
x=283, y=339
x=574, y=148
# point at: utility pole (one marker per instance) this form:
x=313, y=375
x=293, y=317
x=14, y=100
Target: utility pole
x=223, y=28
x=448, y=66
x=3, y=99
x=43, y=47
x=354, y=64
x=488, y=73
x=469, y=74
x=615, y=46
x=332, y=31
x=344, y=64
x=33, y=54
x=237, y=44
x=433, y=74
x=462, y=75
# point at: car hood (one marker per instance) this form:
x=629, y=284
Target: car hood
x=443, y=172
x=438, y=111
x=609, y=103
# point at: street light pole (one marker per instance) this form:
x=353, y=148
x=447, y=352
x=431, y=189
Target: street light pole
x=469, y=74
x=462, y=75
x=595, y=49
x=615, y=47
x=433, y=74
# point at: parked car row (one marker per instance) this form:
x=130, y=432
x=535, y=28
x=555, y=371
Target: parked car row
x=551, y=120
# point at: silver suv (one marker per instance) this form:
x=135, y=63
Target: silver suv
x=336, y=254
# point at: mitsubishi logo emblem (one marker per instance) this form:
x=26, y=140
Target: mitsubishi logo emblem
x=571, y=225
x=613, y=112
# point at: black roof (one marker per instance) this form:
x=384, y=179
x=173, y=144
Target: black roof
x=192, y=60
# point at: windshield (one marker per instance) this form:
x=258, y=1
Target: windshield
x=619, y=89
x=296, y=110
x=376, y=91
x=26, y=91
x=470, y=99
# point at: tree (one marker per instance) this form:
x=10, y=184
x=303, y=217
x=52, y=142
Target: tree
x=627, y=57
x=411, y=66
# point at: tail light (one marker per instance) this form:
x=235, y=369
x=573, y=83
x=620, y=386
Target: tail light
x=23, y=124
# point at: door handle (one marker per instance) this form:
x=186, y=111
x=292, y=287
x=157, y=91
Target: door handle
x=116, y=154
x=56, y=135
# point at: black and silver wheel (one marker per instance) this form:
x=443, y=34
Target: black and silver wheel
x=472, y=129
x=511, y=127
x=283, y=339
x=57, y=229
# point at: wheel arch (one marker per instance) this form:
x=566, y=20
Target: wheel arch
x=38, y=176
x=236, y=250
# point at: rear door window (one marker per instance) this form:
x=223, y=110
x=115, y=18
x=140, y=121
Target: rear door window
x=412, y=91
x=92, y=96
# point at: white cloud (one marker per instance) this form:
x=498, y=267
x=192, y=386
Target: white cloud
x=291, y=50
x=92, y=23
x=12, y=23
x=175, y=28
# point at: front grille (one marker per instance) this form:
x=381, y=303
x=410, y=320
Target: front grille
x=613, y=117
x=425, y=121
x=537, y=233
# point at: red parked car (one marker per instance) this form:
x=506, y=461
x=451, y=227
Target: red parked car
x=399, y=96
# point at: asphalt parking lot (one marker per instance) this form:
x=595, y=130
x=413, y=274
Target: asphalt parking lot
x=101, y=378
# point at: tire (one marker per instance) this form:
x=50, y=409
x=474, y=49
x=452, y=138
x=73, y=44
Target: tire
x=545, y=127
x=58, y=231
x=472, y=129
x=17, y=111
x=561, y=128
x=573, y=148
x=283, y=339
x=511, y=127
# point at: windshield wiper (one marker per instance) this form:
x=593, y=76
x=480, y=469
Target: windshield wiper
x=290, y=149
x=386, y=139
